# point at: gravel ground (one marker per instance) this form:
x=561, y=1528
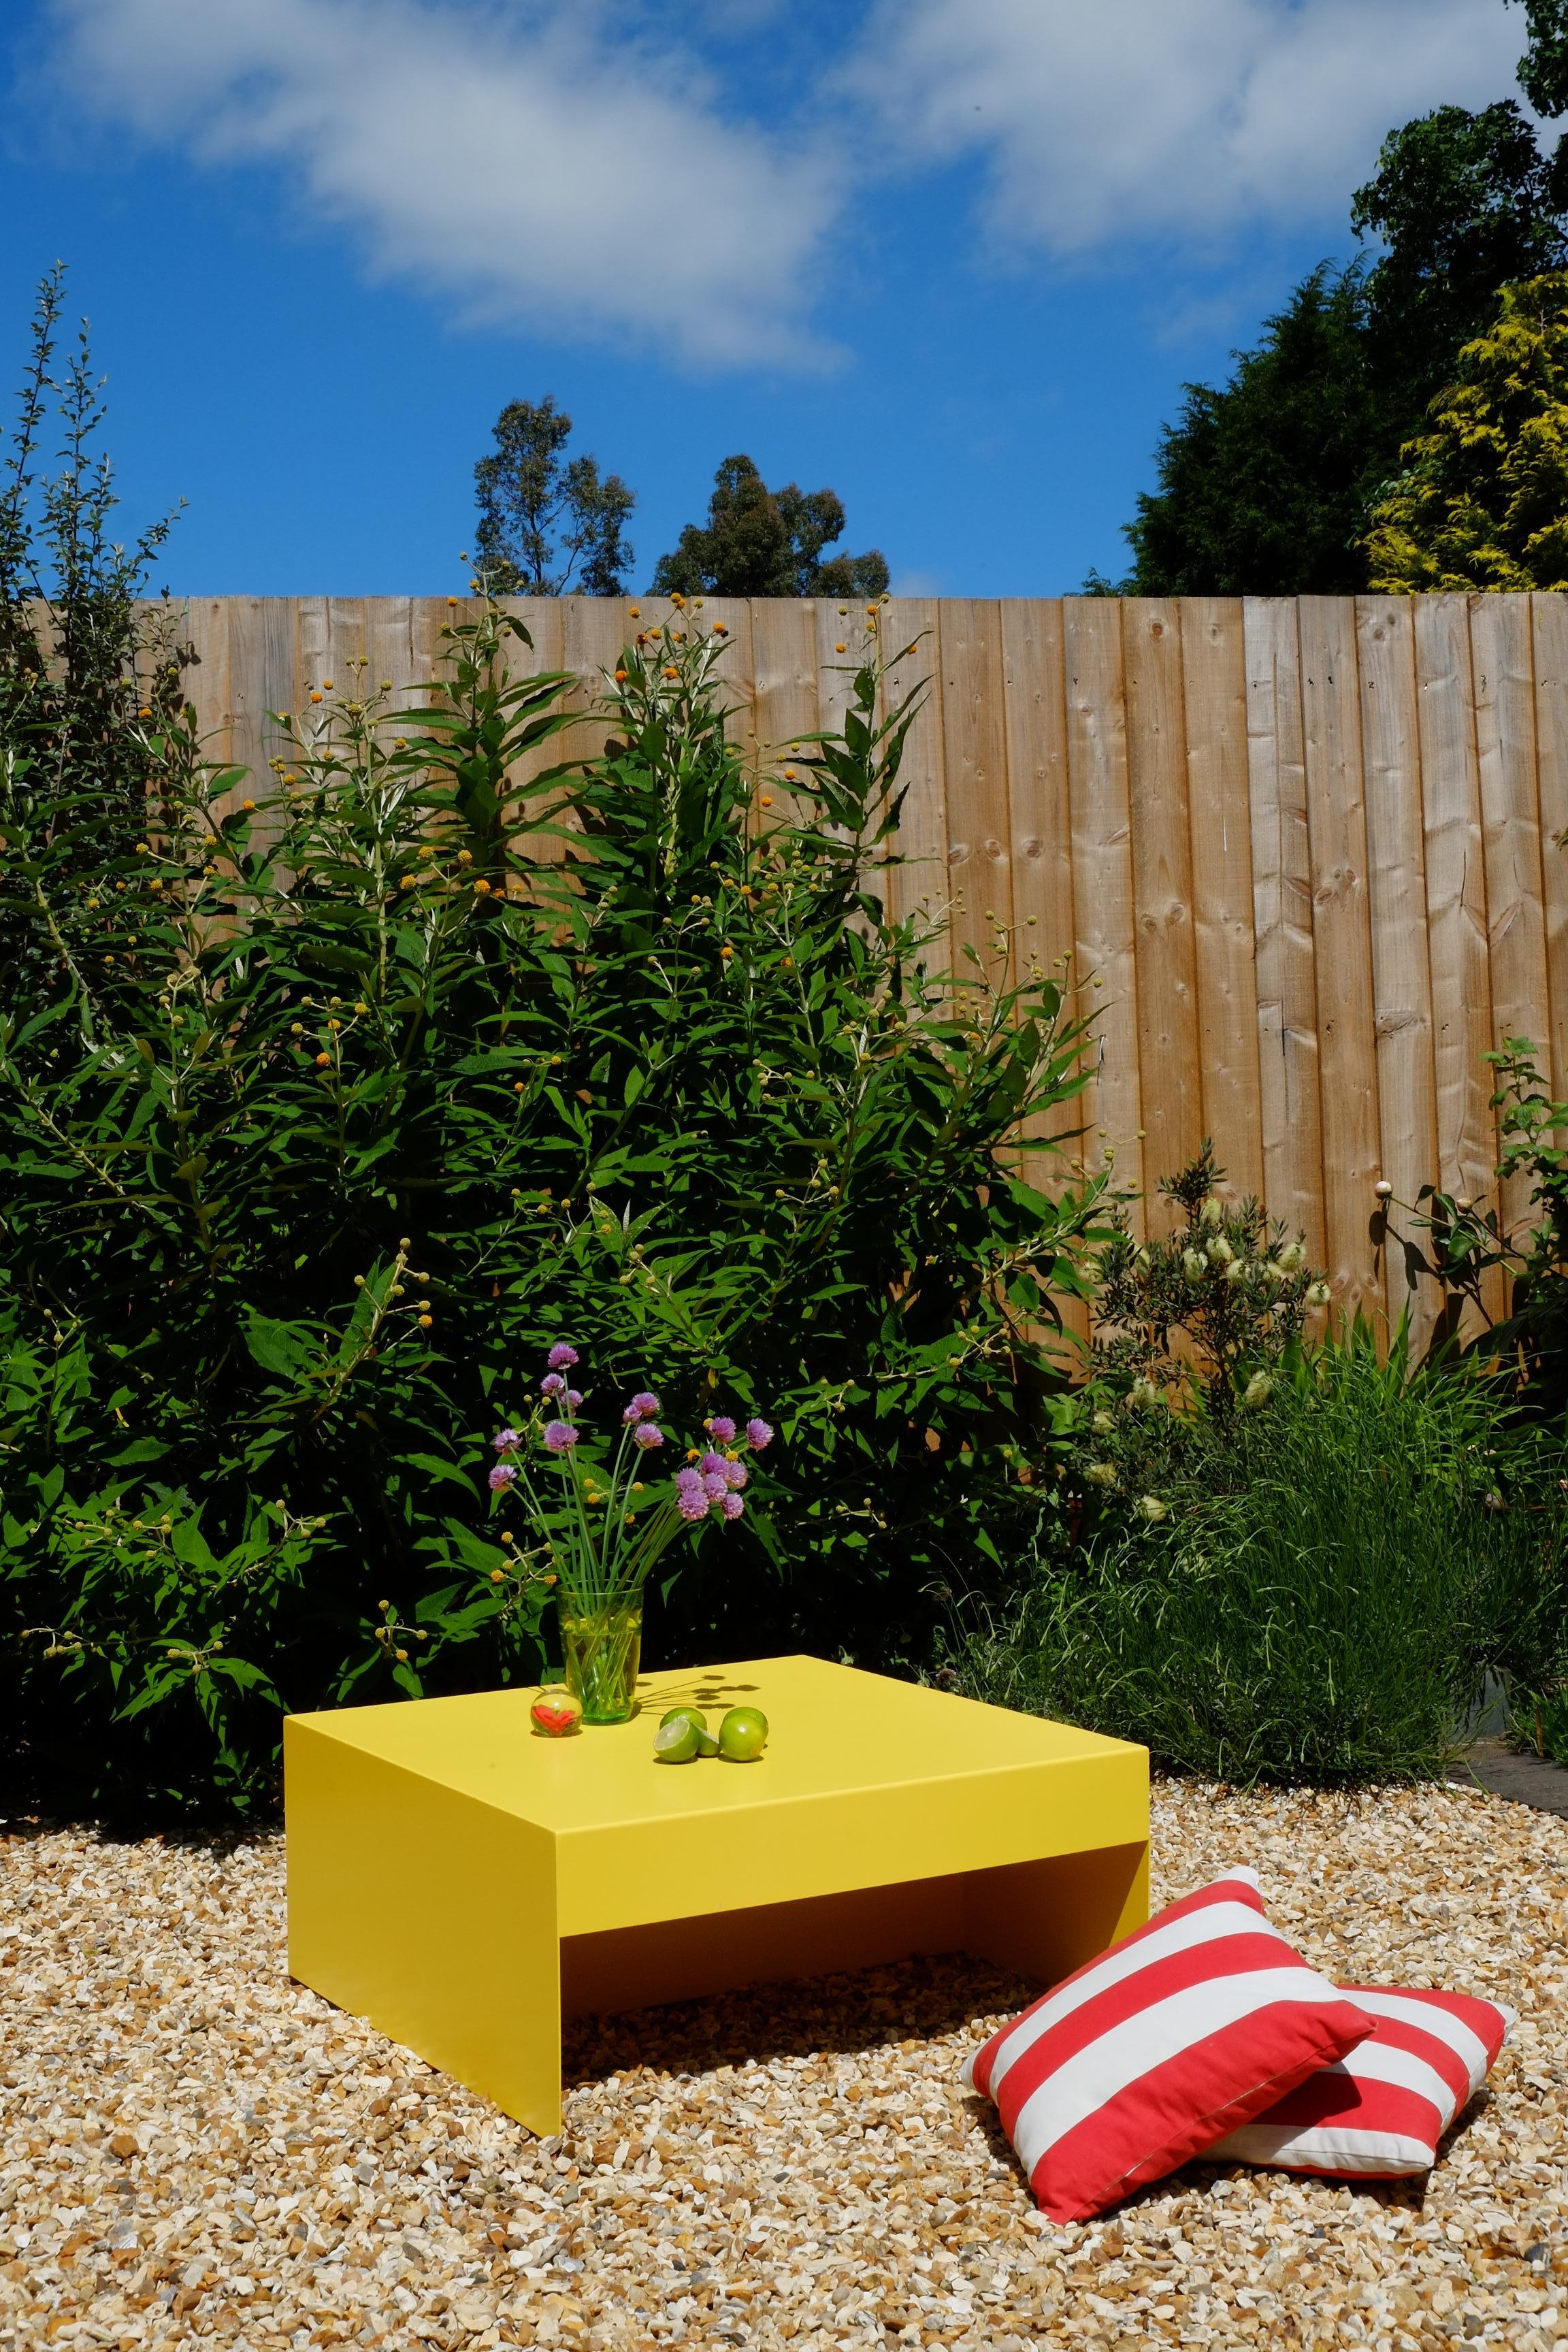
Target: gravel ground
x=196, y=2147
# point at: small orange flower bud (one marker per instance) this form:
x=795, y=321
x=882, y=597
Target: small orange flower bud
x=620, y=677
x=323, y=1061
x=314, y=696
x=326, y=685
x=247, y=806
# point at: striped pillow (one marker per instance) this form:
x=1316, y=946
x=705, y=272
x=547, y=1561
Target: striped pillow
x=1184, y=2031
x=1381, y=2111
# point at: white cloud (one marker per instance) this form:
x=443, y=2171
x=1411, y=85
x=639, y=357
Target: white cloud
x=561, y=164
x=526, y=166
x=1111, y=122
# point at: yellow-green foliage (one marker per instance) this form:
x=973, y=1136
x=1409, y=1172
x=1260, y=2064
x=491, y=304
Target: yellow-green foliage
x=1484, y=500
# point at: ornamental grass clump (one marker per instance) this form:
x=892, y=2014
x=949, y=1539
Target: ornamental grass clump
x=1321, y=1602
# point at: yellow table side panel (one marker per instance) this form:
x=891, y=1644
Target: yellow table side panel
x=430, y=1914
x=629, y=1874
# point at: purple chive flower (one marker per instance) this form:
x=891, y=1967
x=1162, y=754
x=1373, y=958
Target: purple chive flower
x=758, y=1435
x=692, y=1503
x=713, y=1486
x=573, y=1398
x=560, y=1436
x=646, y=1434
x=732, y=1507
x=712, y=1466
x=502, y=1476
x=560, y=1357
x=720, y=1429
x=506, y=1440
x=645, y=1403
x=551, y=1385
x=735, y=1475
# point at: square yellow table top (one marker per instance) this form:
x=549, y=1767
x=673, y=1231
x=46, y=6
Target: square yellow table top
x=866, y=1781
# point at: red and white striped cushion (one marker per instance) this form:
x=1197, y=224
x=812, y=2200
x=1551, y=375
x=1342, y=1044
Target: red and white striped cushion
x=1380, y=2110
x=1186, y=2029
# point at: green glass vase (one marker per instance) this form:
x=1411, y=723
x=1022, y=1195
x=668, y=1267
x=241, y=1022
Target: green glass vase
x=601, y=1651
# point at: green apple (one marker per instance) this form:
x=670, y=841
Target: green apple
x=692, y=1715
x=675, y=1741
x=743, y=1735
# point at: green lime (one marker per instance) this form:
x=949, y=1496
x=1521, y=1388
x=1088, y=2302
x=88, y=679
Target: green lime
x=706, y=1744
x=675, y=1741
x=690, y=1713
x=743, y=1735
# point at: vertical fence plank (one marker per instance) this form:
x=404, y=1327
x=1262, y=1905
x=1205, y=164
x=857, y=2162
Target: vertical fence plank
x=1105, y=956
x=1039, y=816
x=544, y=618
x=1347, y=1051
x=735, y=677
x=1456, y=901
x=918, y=886
x=1282, y=900
x=262, y=679
x=593, y=631
x=207, y=677
x=784, y=674
x=1402, y=980
x=974, y=751
x=841, y=646
x=1038, y=809
x=1503, y=665
x=1169, y=1067
x=1550, y=634
x=389, y=647
x=1214, y=669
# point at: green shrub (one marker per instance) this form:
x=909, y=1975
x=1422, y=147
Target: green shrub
x=320, y=1117
x=1191, y=1331
x=1323, y=1593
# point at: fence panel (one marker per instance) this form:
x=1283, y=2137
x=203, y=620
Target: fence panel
x=1302, y=857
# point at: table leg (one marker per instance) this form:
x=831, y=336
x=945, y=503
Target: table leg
x=431, y=1914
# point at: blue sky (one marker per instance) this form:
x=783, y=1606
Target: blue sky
x=953, y=257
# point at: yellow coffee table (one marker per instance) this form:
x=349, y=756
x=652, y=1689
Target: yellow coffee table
x=465, y=1883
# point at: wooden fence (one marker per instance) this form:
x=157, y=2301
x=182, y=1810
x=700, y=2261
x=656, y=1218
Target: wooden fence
x=1303, y=853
